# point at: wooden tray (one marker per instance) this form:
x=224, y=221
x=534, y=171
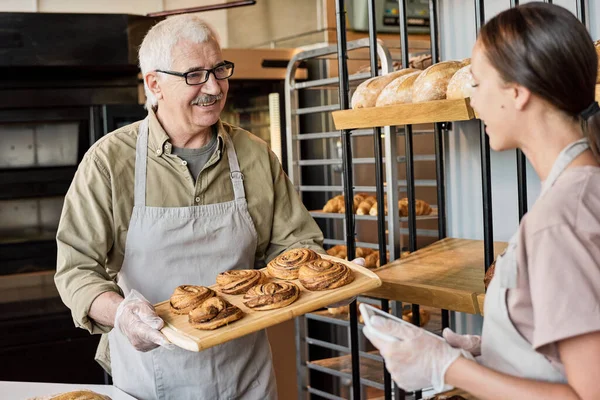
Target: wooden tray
x=179, y=332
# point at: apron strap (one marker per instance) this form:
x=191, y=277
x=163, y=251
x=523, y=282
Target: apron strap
x=566, y=156
x=141, y=155
x=237, y=178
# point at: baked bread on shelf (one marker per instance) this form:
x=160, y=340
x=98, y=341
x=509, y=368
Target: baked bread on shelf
x=187, y=297
x=365, y=206
x=334, y=204
x=421, y=208
x=421, y=62
x=214, y=313
x=271, y=295
x=432, y=84
x=238, y=281
x=286, y=265
x=367, y=92
x=324, y=274
x=461, y=84
x=399, y=91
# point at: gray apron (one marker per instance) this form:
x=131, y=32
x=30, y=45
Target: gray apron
x=170, y=246
x=503, y=348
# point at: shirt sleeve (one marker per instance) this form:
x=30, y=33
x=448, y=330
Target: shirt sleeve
x=293, y=226
x=84, y=237
x=564, y=276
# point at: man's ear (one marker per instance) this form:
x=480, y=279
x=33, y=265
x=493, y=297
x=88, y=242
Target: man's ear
x=521, y=97
x=151, y=79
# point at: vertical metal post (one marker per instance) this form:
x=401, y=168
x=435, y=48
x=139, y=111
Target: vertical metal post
x=514, y=3
x=439, y=131
x=378, y=155
x=348, y=187
x=582, y=12
x=433, y=31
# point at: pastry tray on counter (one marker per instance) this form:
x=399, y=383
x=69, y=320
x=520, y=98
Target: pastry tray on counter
x=178, y=330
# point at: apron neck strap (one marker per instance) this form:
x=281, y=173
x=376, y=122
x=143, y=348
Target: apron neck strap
x=141, y=154
x=237, y=178
x=566, y=156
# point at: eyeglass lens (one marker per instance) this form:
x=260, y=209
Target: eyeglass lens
x=221, y=72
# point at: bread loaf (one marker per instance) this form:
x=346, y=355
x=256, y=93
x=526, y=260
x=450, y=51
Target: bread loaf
x=465, y=62
x=432, y=84
x=399, y=91
x=367, y=92
x=461, y=84
x=597, y=45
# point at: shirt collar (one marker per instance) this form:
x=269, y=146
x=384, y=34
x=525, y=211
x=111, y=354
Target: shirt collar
x=159, y=141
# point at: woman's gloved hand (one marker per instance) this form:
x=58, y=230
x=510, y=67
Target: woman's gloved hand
x=417, y=360
x=470, y=343
x=138, y=321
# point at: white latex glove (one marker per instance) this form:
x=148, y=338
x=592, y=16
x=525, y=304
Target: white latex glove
x=417, y=361
x=360, y=261
x=470, y=343
x=138, y=321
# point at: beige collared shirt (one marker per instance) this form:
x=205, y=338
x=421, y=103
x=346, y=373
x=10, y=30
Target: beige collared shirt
x=93, y=227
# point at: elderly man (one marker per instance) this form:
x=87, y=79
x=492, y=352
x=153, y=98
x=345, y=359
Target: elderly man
x=175, y=199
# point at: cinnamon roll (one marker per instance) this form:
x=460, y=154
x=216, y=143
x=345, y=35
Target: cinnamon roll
x=271, y=295
x=214, y=313
x=187, y=297
x=237, y=281
x=324, y=274
x=286, y=265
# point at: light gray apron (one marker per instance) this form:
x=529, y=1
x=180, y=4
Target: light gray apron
x=503, y=348
x=171, y=246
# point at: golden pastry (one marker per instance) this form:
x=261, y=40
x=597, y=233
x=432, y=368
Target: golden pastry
x=364, y=207
x=214, y=313
x=187, y=297
x=238, y=281
x=286, y=265
x=424, y=316
x=78, y=395
x=339, y=251
x=324, y=274
x=334, y=204
x=271, y=295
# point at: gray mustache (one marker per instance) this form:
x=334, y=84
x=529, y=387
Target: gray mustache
x=206, y=98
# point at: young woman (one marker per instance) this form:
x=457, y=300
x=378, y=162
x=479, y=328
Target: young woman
x=534, y=71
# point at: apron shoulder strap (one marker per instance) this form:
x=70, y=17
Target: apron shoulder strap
x=141, y=155
x=237, y=178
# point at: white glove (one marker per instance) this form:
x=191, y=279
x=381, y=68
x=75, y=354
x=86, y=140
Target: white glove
x=360, y=261
x=418, y=360
x=138, y=321
x=470, y=343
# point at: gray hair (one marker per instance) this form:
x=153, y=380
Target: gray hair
x=157, y=46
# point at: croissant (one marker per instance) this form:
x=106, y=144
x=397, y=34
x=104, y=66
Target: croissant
x=324, y=274
x=338, y=251
x=421, y=207
x=214, y=313
x=424, y=316
x=238, y=281
x=286, y=265
x=187, y=297
x=364, y=207
x=271, y=295
x=358, y=198
x=334, y=204
x=373, y=211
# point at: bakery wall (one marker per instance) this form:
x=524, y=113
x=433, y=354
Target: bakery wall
x=463, y=162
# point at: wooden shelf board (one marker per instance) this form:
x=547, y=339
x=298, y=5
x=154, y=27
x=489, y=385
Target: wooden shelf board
x=403, y=114
x=480, y=301
x=447, y=274
x=369, y=369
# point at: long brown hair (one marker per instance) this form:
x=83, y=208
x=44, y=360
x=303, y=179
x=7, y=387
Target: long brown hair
x=546, y=49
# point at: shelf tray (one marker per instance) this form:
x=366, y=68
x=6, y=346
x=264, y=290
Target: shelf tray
x=447, y=274
x=404, y=114
x=178, y=330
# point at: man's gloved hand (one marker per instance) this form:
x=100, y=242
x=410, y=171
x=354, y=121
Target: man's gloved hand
x=470, y=343
x=360, y=261
x=138, y=321
x=418, y=360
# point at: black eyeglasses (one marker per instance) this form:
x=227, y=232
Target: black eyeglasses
x=200, y=75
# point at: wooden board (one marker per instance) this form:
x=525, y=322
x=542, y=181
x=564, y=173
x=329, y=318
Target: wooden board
x=480, y=302
x=403, y=114
x=181, y=333
x=447, y=274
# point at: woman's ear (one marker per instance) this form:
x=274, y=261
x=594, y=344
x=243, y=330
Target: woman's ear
x=151, y=79
x=521, y=97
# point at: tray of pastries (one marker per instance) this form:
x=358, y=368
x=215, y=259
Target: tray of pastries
x=240, y=302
